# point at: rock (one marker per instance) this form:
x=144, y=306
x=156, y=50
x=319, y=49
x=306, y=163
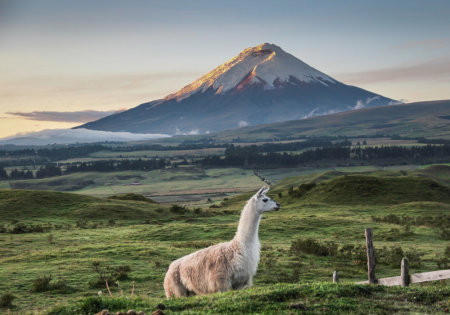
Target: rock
x=298, y=306
x=158, y=312
x=131, y=312
x=104, y=312
x=141, y=313
x=120, y=313
x=161, y=306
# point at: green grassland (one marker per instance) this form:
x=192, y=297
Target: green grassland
x=422, y=119
x=147, y=237
x=153, y=183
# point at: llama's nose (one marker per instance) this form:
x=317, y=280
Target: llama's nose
x=278, y=205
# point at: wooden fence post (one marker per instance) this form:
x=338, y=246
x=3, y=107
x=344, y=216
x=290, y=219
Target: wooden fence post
x=405, y=273
x=370, y=255
x=335, y=277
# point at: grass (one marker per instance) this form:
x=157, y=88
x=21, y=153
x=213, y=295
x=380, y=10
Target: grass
x=154, y=183
x=147, y=237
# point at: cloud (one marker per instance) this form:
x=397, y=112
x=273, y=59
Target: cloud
x=361, y=104
x=242, y=123
x=61, y=136
x=192, y=132
x=428, y=43
x=315, y=112
x=75, y=117
x=399, y=102
x=436, y=69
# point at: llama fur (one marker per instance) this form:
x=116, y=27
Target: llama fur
x=224, y=266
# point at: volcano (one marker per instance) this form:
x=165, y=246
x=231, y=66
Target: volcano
x=261, y=85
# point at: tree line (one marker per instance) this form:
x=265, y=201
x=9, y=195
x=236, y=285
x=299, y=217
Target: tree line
x=248, y=157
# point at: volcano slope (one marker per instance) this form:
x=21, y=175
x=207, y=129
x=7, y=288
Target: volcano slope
x=261, y=85
x=409, y=215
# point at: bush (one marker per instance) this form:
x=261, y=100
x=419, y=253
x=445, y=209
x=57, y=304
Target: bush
x=6, y=299
x=41, y=284
x=177, y=209
x=214, y=206
x=122, y=271
x=444, y=234
x=443, y=260
x=198, y=210
x=312, y=246
x=103, y=275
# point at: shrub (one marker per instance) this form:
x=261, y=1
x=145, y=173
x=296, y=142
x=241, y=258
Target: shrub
x=81, y=224
x=280, y=195
x=6, y=299
x=177, y=209
x=41, y=284
x=198, y=210
x=122, y=271
x=103, y=275
x=111, y=222
x=312, y=246
x=444, y=233
x=443, y=260
x=214, y=206
x=414, y=258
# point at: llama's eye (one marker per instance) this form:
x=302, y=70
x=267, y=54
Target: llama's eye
x=265, y=200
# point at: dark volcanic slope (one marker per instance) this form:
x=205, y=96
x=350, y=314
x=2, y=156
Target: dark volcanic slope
x=261, y=85
x=211, y=112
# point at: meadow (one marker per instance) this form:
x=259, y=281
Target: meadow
x=78, y=238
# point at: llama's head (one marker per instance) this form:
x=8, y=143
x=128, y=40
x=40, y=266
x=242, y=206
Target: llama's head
x=264, y=203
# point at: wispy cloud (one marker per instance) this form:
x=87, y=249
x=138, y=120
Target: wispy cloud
x=362, y=104
x=75, y=135
x=75, y=117
x=428, y=43
x=436, y=69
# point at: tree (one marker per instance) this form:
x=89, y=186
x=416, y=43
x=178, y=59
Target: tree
x=358, y=143
x=3, y=174
x=364, y=143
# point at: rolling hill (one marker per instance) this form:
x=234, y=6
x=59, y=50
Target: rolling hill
x=421, y=119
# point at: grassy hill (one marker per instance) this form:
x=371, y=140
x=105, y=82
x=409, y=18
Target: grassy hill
x=409, y=213
x=421, y=119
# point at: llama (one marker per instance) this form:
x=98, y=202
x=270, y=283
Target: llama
x=224, y=266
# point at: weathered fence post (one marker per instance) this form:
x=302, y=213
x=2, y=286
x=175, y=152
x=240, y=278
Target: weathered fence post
x=370, y=255
x=405, y=272
x=335, y=277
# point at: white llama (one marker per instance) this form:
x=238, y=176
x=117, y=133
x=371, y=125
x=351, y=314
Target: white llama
x=224, y=266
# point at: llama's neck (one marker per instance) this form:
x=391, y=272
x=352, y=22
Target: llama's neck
x=247, y=232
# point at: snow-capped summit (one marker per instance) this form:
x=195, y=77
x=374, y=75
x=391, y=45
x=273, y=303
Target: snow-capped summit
x=261, y=85
x=265, y=64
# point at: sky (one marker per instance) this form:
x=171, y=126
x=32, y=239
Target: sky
x=64, y=63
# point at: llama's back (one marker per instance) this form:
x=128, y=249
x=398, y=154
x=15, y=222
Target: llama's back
x=205, y=271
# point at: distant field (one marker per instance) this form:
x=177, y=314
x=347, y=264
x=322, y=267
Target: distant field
x=153, y=153
x=171, y=183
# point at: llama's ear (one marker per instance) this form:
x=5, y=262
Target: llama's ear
x=266, y=191
x=261, y=191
